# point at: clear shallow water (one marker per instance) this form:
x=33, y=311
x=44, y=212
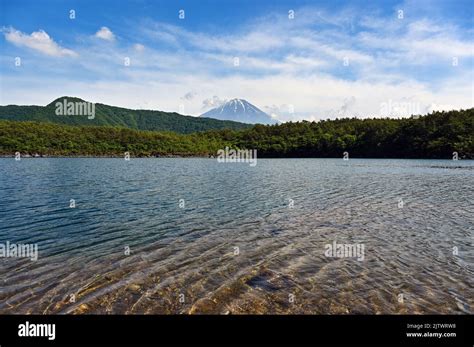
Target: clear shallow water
x=281, y=266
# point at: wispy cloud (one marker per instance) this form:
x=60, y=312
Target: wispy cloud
x=189, y=95
x=38, y=41
x=322, y=63
x=139, y=47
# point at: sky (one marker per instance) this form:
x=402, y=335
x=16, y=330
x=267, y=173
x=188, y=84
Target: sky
x=294, y=60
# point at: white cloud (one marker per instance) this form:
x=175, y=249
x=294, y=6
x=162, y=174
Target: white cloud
x=39, y=41
x=346, y=108
x=104, y=33
x=139, y=47
x=423, y=42
x=189, y=95
x=282, y=63
x=213, y=102
x=312, y=97
x=251, y=41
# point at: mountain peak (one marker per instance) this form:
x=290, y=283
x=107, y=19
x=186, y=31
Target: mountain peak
x=239, y=110
x=61, y=99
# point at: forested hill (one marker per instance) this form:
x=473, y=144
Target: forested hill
x=106, y=115
x=436, y=135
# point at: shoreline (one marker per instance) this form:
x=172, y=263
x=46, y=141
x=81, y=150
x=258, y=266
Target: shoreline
x=193, y=156
x=42, y=156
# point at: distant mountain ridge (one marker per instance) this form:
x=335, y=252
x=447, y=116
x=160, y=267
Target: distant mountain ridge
x=106, y=115
x=240, y=110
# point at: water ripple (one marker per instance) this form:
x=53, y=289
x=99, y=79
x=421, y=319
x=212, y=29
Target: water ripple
x=246, y=239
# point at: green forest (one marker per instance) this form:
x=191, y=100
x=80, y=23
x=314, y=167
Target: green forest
x=106, y=115
x=436, y=135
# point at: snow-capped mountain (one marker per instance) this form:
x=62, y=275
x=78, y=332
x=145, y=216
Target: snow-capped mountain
x=240, y=110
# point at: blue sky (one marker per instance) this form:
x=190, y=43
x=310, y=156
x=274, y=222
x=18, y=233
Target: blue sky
x=331, y=59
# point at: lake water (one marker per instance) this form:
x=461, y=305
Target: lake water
x=209, y=237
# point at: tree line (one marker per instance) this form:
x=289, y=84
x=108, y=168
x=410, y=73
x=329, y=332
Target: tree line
x=437, y=135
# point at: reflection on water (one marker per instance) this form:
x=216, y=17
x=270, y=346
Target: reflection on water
x=247, y=240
